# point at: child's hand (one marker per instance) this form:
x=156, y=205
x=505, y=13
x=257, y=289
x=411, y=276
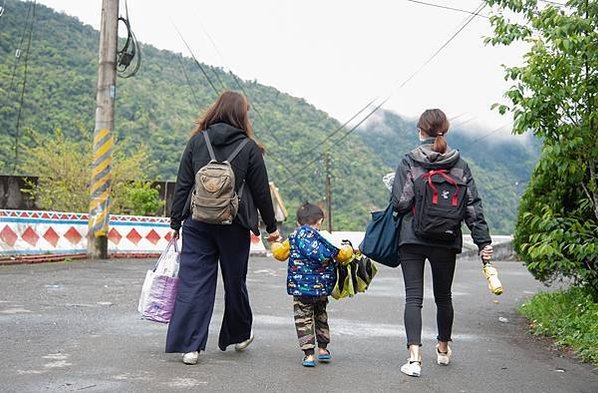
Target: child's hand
x=281, y=251
x=345, y=254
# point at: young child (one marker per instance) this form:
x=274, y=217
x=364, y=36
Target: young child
x=311, y=278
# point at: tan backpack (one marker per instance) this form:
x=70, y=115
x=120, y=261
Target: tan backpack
x=214, y=199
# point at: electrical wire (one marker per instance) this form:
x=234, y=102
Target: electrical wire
x=22, y=98
x=447, y=8
x=464, y=24
x=18, y=50
x=239, y=85
x=553, y=3
x=428, y=60
x=272, y=156
x=182, y=67
x=2, y=9
x=205, y=74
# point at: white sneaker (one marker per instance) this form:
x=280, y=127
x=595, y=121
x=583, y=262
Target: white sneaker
x=412, y=368
x=243, y=345
x=191, y=357
x=443, y=359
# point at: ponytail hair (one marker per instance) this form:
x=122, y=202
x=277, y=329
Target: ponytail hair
x=440, y=144
x=434, y=123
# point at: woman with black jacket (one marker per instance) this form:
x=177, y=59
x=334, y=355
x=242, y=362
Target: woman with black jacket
x=227, y=124
x=414, y=248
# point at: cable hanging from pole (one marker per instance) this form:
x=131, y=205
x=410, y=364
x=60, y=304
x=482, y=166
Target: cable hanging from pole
x=445, y=7
x=239, y=85
x=203, y=71
x=271, y=156
x=425, y=63
x=22, y=97
x=18, y=49
x=463, y=25
x=129, y=52
x=182, y=67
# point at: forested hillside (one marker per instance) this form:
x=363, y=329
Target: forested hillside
x=158, y=108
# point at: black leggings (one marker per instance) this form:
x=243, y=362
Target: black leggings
x=413, y=259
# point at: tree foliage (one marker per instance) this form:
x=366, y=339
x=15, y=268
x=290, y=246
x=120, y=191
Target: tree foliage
x=63, y=165
x=555, y=95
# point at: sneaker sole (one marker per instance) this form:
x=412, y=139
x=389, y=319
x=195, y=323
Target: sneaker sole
x=411, y=374
x=241, y=348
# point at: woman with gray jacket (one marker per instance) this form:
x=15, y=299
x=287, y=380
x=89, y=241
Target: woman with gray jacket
x=433, y=158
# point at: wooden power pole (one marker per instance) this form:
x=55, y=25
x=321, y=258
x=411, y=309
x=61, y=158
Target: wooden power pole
x=103, y=141
x=329, y=190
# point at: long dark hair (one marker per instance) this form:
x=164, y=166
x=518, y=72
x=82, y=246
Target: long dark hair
x=435, y=123
x=231, y=108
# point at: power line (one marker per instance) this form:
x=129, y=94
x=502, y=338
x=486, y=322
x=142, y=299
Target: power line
x=255, y=107
x=197, y=62
x=22, y=98
x=240, y=85
x=2, y=10
x=447, y=8
x=18, y=50
x=428, y=60
x=182, y=67
x=283, y=165
x=488, y=134
x=553, y=3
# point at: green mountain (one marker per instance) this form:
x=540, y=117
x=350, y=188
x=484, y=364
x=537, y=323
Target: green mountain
x=159, y=107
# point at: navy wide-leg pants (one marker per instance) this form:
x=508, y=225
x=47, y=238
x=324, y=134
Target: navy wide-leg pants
x=203, y=246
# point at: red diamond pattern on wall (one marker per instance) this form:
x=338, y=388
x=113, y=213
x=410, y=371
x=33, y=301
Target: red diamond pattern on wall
x=114, y=236
x=51, y=237
x=153, y=237
x=30, y=236
x=8, y=236
x=134, y=236
x=73, y=236
x=168, y=236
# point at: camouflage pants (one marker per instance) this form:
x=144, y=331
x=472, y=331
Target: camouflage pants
x=311, y=322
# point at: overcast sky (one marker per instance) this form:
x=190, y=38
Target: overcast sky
x=338, y=55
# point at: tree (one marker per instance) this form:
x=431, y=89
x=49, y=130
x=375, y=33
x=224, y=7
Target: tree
x=555, y=95
x=63, y=166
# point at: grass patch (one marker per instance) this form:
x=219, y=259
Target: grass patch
x=569, y=316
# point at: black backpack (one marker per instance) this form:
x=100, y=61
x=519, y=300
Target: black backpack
x=440, y=204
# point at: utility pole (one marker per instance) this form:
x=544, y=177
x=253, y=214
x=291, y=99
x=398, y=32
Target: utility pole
x=103, y=141
x=329, y=190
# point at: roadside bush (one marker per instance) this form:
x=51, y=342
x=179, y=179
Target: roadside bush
x=63, y=165
x=141, y=199
x=570, y=316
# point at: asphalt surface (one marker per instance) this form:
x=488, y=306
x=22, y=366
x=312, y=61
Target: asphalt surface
x=73, y=326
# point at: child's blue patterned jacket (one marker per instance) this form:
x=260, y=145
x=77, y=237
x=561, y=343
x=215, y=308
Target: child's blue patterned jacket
x=311, y=264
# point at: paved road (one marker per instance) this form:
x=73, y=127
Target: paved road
x=73, y=327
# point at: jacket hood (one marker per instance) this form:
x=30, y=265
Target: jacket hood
x=222, y=134
x=431, y=159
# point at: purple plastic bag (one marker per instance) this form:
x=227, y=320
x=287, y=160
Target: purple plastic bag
x=159, y=290
x=162, y=296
